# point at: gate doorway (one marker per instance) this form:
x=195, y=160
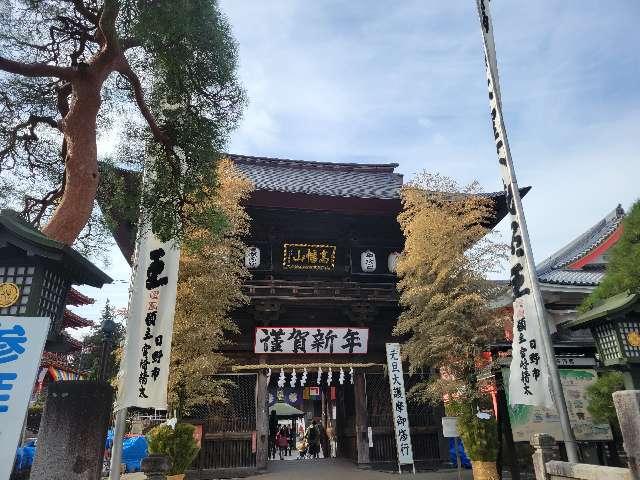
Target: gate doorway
x=318, y=420
x=355, y=424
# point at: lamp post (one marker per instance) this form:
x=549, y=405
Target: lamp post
x=108, y=329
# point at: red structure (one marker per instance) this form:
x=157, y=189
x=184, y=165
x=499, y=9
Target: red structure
x=57, y=366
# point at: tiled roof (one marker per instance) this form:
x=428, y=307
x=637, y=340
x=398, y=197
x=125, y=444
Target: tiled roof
x=553, y=269
x=572, y=277
x=321, y=178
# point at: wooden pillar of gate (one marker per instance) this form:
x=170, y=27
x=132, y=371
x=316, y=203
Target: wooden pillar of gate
x=262, y=422
x=362, y=418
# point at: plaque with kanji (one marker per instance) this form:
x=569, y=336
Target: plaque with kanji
x=303, y=256
x=309, y=340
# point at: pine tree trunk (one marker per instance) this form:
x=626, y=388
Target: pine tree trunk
x=81, y=163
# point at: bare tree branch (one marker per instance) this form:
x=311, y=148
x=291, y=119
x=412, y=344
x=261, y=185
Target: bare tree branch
x=37, y=69
x=83, y=10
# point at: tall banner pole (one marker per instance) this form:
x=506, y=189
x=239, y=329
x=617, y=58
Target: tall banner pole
x=533, y=365
x=144, y=370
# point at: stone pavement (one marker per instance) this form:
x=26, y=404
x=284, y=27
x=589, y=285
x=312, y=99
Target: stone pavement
x=340, y=469
x=334, y=469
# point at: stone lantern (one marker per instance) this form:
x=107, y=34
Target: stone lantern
x=615, y=326
x=36, y=274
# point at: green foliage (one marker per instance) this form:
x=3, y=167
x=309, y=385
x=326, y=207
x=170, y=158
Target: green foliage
x=197, y=98
x=178, y=444
x=599, y=395
x=184, y=58
x=480, y=437
x=623, y=269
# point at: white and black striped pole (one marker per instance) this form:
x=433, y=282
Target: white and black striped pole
x=530, y=372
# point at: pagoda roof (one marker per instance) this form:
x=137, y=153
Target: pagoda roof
x=570, y=264
x=77, y=299
x=73, y=320
x=16, y=231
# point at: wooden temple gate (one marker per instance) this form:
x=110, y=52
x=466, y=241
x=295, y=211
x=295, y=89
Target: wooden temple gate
x=228, y=431
x=322, y=251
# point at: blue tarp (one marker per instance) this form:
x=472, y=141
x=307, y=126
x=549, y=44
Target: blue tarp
x=134, y=449
x=464, y=461
x=24, y=455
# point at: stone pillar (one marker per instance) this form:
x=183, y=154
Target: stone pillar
x=73, y=431
x=627, y=405
x=543, y=445
x=262, y=422
x=362, y=418
x=156, y=467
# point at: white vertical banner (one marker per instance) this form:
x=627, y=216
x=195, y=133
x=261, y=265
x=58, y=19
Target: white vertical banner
x=529, y=374
x=21, y=343
x=399, y=404
x=144, y=370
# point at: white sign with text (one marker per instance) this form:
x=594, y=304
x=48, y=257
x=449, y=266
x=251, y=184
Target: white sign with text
x=21, y=343
x=399, y=404
x=309, y=340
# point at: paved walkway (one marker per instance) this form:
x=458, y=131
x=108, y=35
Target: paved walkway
x=340, y=469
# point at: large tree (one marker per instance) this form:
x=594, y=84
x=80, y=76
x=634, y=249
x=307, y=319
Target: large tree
x=209, y=288
x=446, y=298
x=623, y=269
x=161, y=74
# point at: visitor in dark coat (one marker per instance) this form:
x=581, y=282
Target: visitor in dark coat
x=273, y=431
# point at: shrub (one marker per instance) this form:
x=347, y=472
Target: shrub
x=178, y=444
x=480, y=437
x=600, y=405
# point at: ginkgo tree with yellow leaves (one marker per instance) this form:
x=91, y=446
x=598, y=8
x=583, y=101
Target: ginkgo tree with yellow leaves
x=210, y=281
x=442, y=279
x=445, y=294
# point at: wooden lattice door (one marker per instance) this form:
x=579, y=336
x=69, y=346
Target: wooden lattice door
x=424, y=420
x=228, y=429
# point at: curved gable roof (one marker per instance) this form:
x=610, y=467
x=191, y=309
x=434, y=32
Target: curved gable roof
x=557, y=268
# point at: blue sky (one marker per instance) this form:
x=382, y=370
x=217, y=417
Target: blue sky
x=373, y=81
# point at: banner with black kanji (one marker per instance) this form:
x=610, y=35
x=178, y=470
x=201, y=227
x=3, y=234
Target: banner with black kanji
x=399, y=404
x=144, y=370
x=529, y=377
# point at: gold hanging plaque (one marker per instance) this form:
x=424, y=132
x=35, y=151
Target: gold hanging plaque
x=9, y=294
x=634, y=339
x=304, y=256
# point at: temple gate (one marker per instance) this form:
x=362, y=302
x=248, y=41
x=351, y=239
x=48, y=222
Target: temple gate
x=322, y=252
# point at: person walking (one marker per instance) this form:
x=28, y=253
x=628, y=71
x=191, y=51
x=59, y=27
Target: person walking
x=292, y=438
x=282, y=440
x=273, y=431
x=313, y=439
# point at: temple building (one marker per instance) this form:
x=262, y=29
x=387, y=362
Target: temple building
x=566, y=278
x=322, y=252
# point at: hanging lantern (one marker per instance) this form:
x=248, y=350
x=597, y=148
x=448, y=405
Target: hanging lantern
x=329, y=376
x=341, y=377
x=281, y=379
x=268, y=376
x=252, y=257
x=319, y=376
x=351, y=374
x=293, y=378
x=303, y=380
x=392, y=261
x=368, y=261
